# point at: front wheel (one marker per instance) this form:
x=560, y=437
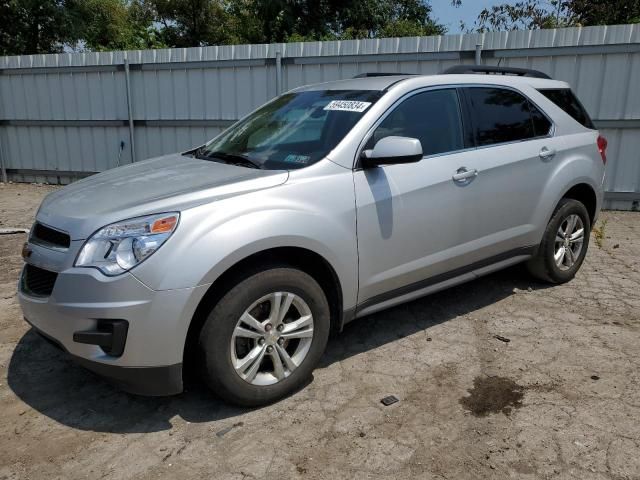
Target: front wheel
x=265, y=336
x=564, y=244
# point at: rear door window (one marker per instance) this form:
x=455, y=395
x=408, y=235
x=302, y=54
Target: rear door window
x=567, y=101
x=541, y=124
x=501, y=116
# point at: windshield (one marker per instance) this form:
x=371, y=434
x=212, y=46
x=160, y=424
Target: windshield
x=293, y=131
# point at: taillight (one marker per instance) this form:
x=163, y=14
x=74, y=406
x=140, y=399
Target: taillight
x=602, y=148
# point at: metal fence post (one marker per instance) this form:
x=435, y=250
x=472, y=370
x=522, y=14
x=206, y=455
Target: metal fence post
x=479, y=54
x=3, y=167
x=127, y=79
x=278, y=72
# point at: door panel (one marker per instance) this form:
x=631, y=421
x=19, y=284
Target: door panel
x=416, y=221
x=504, y=197
x=409, y=222
x=515, y=154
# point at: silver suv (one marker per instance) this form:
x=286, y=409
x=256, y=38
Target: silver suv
x=329, y=203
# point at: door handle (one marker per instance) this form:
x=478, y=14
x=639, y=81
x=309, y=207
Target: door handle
x=547, y=153
x=464, y=175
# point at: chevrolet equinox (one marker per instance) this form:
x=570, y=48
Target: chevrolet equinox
x=329, y=203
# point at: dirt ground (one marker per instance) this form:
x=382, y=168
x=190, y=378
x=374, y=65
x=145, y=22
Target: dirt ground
x=499, y=378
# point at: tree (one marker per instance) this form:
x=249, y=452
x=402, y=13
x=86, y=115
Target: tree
x=526, y=15
x=44, y=26
x=611, y=12
x=376, y=18
x=410, y=28
x=50, y=26
x=535, y=14
x=190, y=23
x=259, y=21
x=114, y=25
x=33, y=26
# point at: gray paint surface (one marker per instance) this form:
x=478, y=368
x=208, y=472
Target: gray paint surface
x=370, y=226
x=182, y=97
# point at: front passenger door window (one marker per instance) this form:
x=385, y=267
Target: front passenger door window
x=433, y=117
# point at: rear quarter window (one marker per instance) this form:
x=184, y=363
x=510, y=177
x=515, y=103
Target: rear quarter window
x=567, y=101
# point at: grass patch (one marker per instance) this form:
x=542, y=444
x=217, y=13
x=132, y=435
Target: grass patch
x=599, y=233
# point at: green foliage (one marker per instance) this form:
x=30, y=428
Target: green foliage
x=114, y=25
x=46, y=26
x=289, y=20
x=33, y=26
x=410, y=28
x=190, y=23
x=535, y=14
x=526, y=15
x=380, y=18
x=610, y=12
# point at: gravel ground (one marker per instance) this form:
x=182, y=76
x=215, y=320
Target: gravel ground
x=498, y=378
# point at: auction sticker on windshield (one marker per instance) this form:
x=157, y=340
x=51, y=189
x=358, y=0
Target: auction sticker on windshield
x=301, y=159
x=347, y=105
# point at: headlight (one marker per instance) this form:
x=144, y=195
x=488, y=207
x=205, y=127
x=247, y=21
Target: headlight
x=121, y=246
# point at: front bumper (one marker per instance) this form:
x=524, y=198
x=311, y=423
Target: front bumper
x=158, y=321
x=148, y=381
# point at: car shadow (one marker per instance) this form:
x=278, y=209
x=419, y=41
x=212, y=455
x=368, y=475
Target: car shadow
x=375, y=330
x=49, y=382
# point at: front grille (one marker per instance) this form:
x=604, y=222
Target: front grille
x=48, y=236
x=37, y=281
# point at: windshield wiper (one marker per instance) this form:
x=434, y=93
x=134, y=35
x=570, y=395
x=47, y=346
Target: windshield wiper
x=231, y=158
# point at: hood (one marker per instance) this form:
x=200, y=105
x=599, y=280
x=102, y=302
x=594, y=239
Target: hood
x=168, y=183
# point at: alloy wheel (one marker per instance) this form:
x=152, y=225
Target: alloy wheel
x=569, y=242
x=272, y=338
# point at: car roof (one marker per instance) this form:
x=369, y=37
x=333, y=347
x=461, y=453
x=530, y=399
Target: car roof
x=365, y=83
x=381, y=83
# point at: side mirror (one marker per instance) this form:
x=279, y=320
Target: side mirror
x=391, y=151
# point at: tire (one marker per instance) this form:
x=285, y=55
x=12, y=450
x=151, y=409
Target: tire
x=543, y=264
x=220, y=350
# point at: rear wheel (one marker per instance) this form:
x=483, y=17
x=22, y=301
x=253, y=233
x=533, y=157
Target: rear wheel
x=564, y=244
x=265, y=336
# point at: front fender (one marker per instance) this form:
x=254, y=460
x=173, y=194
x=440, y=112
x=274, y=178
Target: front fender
x=259, y=231
x=212, y=238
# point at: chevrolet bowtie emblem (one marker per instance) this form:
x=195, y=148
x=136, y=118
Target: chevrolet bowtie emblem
x=26, y=251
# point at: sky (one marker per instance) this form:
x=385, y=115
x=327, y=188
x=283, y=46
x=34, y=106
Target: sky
x=468, y=12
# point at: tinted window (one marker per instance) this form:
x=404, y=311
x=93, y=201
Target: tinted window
x=541, y=124
x=567, y=101
x=500, y=116
x=431, y=117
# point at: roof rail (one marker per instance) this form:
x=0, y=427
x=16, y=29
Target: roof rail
x=381, y=74
x=520, y=72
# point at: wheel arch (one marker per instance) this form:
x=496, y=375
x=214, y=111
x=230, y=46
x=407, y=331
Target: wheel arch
x=585, y=194
x=304, y=259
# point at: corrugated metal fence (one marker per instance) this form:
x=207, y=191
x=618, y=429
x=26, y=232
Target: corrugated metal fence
x=64, y=116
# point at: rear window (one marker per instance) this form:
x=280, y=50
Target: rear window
x=567, y=101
